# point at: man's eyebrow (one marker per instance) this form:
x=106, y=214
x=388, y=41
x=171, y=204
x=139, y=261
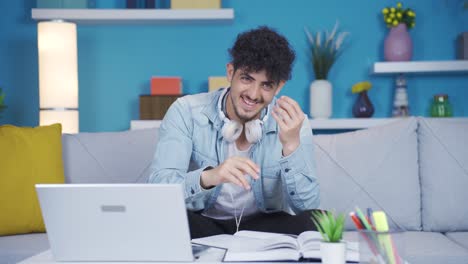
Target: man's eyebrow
x=268, y=82
x=247, y=75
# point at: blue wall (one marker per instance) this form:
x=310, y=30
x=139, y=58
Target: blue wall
x=117, y=61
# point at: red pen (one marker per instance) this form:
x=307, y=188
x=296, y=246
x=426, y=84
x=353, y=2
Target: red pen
x=356, y=220
x=359, y=225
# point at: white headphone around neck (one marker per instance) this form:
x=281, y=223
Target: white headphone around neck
x=232, y=129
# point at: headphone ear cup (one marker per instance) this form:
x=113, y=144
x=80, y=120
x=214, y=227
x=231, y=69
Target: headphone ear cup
x=231, y=130
x=254, y=131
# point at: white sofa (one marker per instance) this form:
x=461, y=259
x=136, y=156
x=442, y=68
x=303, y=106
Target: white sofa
x=415, y=169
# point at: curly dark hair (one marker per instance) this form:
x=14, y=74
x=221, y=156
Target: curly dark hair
x=263, y=49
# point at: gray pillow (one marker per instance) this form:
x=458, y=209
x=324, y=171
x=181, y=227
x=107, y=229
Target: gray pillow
x=443, y=151
x=377, y=168
x=109, y=157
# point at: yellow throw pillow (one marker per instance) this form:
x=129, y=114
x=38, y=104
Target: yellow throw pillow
x=27, y=156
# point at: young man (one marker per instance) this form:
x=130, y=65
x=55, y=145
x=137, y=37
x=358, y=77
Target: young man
x=244, y=158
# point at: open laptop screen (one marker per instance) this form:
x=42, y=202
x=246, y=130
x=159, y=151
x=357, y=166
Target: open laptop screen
x=116, y=222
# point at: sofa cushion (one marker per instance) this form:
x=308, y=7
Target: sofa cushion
x=109, y=157
x=426, y=248
x=376, y=167
x=460, y=238
x=27, y=156
x=16, y=248
x=443, y=152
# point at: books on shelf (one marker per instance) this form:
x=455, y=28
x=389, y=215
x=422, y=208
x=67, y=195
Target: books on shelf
x=264, y=246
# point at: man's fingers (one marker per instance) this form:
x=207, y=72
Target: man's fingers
x=233, y=179
x=249, y=162
x=247, y=168
x=293, y=103
x=287, y=117
x=250, y=171
x=279, y=120
x=239, y=175
x=288, y=107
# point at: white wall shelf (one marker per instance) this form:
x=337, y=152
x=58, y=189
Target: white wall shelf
x=338, y=123
x=455, y=66
x=129, y=16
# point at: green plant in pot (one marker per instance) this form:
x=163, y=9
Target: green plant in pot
x=2, y=103
x=331, y=227
x=325, y=49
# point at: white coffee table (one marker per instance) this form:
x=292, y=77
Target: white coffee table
x=211, y=255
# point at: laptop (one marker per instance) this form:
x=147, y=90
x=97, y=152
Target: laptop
x=116, y=222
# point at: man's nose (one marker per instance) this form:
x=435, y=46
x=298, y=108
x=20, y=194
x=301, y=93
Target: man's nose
x=254, y=91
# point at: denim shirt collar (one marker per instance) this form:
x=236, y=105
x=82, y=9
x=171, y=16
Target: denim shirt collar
x=211, y=112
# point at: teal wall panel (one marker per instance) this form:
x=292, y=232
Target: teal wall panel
x=116, y=62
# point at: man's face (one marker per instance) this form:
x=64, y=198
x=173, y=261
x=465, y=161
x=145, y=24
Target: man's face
x=250, y=93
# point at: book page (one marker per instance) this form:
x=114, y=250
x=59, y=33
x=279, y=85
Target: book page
x=264, y=246
x=309, y=240
x=270, y=240
x=260, y=234
x=246, y=244
x=285, y=254
x=228, y=241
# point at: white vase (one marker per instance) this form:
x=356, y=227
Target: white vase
x=320, y=99
x=333, y=253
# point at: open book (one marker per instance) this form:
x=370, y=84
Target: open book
x=263, y=246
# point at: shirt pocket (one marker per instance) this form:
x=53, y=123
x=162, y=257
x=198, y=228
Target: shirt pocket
x=271, y=177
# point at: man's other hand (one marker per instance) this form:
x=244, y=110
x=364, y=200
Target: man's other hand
x=232, y=170
x=289, y=116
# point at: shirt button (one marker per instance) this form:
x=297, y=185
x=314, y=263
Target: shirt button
x=292, y=193
x=287, y=170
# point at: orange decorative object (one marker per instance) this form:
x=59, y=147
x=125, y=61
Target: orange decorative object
x=166, y=85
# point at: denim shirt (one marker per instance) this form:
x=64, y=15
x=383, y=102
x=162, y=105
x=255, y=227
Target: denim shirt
x=190, y=140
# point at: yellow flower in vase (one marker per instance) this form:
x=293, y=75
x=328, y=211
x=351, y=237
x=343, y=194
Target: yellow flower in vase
x=363, y=106
x=398, y=43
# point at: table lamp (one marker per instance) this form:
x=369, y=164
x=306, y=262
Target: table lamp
x=58, y=74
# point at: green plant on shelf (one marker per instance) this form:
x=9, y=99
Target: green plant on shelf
x=325, y=49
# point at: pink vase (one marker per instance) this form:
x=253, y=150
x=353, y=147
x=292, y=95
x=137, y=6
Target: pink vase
x=398, y=45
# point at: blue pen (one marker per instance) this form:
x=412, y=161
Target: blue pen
x=369, y=215
x=363, y=219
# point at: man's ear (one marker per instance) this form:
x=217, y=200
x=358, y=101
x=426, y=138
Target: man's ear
x=229, y=71
x=280, y=86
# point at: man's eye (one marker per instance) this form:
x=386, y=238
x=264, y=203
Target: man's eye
x=244, y=78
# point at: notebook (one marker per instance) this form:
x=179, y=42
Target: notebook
x=116, y=222
x=264, y=246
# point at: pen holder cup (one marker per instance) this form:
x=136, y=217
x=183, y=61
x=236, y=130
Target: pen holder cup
x=381, y=247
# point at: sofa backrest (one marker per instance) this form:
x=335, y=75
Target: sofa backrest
x=109, y=157
x=443, y=152
x=376, y=168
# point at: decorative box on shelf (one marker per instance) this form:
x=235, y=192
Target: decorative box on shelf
x=155, y=106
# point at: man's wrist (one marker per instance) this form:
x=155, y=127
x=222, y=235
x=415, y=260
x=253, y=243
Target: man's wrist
x=205, y=175
x=288, y=149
